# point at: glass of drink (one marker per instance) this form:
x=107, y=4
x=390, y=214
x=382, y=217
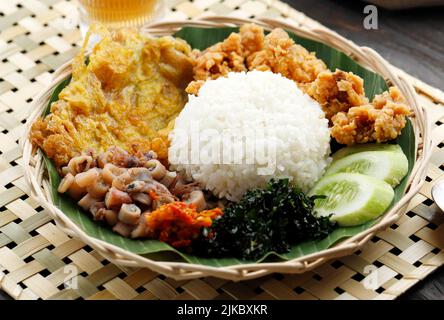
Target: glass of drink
x=119, y=13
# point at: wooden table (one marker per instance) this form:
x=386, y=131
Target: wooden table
x=410, y=40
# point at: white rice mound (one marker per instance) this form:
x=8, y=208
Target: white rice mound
x=208, y=142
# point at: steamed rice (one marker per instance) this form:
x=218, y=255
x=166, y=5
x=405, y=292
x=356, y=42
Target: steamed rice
x=246, y=128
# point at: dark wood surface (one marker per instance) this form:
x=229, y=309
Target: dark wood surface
x=412, y=40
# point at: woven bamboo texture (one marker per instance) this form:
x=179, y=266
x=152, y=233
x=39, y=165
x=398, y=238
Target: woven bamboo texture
x=38, y=260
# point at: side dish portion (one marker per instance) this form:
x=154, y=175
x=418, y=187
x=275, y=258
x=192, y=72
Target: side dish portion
x=137, y=196
x=250, y=50
x=351, y=198
x=266, y=220
x=387, y=165
x=380, y=121
x=358, y=185
x=126, y=95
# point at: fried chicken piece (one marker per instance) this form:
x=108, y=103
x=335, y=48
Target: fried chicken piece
x=337, y=91
x=224, y=57
x=282, y=55
x=252, y=38
x=53, y=138
x=250, y=49
x=220, y=59
x=380, y=121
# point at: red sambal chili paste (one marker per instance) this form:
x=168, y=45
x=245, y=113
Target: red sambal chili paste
x=178, y=223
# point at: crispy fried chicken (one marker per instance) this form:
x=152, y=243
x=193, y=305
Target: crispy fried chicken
x=380, y=121
x=337, y=91
x=250, y=49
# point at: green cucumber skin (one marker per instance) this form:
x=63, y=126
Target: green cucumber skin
x=397, y=160
x=400, y=169
x=341, y=153
x=381, y=197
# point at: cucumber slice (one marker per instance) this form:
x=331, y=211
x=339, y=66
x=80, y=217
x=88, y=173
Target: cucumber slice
x=389, y=166
x=352, y=198
x=341, y=153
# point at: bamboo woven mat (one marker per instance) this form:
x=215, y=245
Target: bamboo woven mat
x=39, y=261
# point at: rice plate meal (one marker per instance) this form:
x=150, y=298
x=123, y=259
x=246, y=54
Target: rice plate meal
x=237, y=148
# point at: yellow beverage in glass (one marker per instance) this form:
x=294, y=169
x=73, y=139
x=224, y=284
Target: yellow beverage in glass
x=120, y=13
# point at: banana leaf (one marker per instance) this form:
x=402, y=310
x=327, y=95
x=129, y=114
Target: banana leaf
x=201, y=38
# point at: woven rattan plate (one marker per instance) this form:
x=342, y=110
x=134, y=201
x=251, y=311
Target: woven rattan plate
x=38, y=260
